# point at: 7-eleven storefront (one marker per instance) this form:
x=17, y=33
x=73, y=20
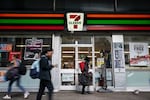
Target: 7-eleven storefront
x=104, y=38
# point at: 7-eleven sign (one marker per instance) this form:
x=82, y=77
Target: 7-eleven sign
x=75, y=21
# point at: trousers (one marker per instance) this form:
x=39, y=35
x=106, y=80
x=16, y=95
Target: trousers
x=43, y=84
x=17, y=84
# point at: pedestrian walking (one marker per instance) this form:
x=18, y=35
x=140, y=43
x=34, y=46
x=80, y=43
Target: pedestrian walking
x=45, y=75
x=15, y=63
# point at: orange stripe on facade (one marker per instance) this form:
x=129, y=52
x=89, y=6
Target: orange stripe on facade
x=32, y=15
x=118, y=15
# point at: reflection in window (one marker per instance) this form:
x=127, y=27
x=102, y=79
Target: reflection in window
x=17, y=44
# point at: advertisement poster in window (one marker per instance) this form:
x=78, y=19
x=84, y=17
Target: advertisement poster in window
x=118, y=51
x=33, y=48
x=5, y=47
x=11, y=54
x=100, y=62
x=139, y=55
x=67, y=77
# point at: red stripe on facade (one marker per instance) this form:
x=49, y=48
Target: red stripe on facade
x=31, y=15
x=146, y=28
x=134, y=16
x=32, y=28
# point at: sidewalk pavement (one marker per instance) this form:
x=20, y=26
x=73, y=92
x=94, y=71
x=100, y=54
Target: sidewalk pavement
x=72, y=95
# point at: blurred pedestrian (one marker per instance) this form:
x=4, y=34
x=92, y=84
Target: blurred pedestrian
x=15, y=63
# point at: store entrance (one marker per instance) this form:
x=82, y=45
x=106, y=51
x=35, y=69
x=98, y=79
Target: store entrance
x=71, y=55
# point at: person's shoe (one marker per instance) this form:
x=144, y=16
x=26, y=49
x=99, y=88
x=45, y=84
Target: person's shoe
x=44, y=94
x=88, y=92
x=7, y=97
x=26, y=95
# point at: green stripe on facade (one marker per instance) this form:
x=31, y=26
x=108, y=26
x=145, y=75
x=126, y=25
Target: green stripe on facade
x=31, y=21
x=134, y=22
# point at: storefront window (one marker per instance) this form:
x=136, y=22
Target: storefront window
x=103, y=51
x=18, y=46
x=137, y=51
x=103, y=62
x=137, y=60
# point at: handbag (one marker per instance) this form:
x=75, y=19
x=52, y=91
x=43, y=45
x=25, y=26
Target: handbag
x=83, y=79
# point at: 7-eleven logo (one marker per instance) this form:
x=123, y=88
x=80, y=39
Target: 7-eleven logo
x=75, y=21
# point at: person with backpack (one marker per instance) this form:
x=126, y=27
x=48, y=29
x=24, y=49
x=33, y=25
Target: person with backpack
x=45, y=75
x=84, y=78
x=15, y=65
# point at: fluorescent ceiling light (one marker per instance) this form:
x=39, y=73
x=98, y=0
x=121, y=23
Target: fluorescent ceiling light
x=67, y=56
x=74, y=52
x=90, y=56
x=97, y=52
x=68, y=52
x=84, y=52
x=25, y=46
x=126, y=52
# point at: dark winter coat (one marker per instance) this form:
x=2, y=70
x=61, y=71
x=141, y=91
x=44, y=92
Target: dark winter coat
x=45, y=67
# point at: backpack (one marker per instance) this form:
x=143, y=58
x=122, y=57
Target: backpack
x=22, y=68
x=12, y=74
x=34, y=71
x=34, y=74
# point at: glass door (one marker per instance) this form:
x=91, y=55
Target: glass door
x=84, y=51
x=67, y=68
x=71, y=55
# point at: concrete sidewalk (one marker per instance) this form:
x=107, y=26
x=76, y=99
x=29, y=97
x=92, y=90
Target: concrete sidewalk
x=72, y=95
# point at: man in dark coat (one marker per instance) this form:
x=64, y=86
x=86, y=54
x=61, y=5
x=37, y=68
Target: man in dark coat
x=45, y=76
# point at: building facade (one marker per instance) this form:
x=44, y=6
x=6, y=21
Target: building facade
x=114, y=34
